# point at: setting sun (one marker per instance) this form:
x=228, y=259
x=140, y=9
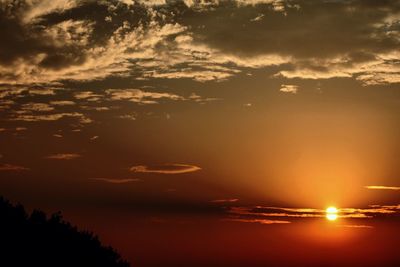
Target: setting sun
x=332, y=213
x=229, y=133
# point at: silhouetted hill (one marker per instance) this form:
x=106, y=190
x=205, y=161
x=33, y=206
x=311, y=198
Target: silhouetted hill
x=33, y=240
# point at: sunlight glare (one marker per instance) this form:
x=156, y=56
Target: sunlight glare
x=331, y=213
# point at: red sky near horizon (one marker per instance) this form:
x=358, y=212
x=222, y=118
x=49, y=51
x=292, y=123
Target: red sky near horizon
x=208, y=133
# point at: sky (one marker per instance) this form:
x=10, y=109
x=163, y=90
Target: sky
x=208, y=132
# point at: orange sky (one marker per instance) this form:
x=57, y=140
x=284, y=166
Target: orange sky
x=208, y=133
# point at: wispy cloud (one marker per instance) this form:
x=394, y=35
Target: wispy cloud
x=20, y=129
x=94, y=137
x=356, y=226
x=117, y=181
x=87, y=95
x=40, y=107
x=51, y=117
x=62, y=103
x=289, y=88
x=11, y=167
x=229, y=200
x=268, y=213
x=166, y=168
x=65, y=156
x=128, y=117
x=140, y=96
x=382, y=187
x=261, y=221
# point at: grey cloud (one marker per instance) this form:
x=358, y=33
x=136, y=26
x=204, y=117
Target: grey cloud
x=199, y=40
x=308, y=29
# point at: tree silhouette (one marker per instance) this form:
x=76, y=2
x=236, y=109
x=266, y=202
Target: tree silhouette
x=33, y=240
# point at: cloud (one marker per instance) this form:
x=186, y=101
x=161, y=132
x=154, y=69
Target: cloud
x=261, y=212
x=87, y=95
x=356, y=226
x=50, y=117
x=139, y=96
x=11, y=167
x=65, y=156
x=166, y=169
x=230, y=200
x=20, y=129
x=41, y=107
x=94, y=137
x=42, y=91
x=117, y=181
x=62, y=103
x=288, y=88
x=35, y=9
x=51, y=41
x=261, y=221
x=128, y=117
x=382, y=187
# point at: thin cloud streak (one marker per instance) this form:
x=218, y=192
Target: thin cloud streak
x=356, y=226
x=66, y=156
x=382, y=187
x=11, y=167
x=231, y=200
x=267, y=213
x=116, y=181
x=260, y=221
x=166, y=169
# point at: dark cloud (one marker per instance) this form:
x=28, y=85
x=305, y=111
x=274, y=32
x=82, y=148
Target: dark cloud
x=213, y=40
x=304, y=29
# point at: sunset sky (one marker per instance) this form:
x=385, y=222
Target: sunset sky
x=208, y=132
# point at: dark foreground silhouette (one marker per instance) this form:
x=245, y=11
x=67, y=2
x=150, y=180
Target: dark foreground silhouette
x=35, y=240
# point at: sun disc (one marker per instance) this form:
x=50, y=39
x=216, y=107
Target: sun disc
x=331, y=213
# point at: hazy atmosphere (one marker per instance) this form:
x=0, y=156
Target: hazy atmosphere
x=208, y=132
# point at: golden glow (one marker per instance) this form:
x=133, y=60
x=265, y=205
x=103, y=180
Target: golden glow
x=332, y=213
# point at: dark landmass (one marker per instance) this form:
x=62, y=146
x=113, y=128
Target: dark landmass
x=37, y=240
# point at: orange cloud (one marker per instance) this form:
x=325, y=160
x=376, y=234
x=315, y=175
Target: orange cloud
x=260, y=212
x=166, y=169
x=382, y=187
x=261, y=221
x=355, y=226
x=231, y=200
x=11, y=167
x=116, y=181
x=67, y=156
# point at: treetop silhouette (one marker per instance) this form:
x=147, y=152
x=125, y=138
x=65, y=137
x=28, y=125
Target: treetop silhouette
x=38, y=241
